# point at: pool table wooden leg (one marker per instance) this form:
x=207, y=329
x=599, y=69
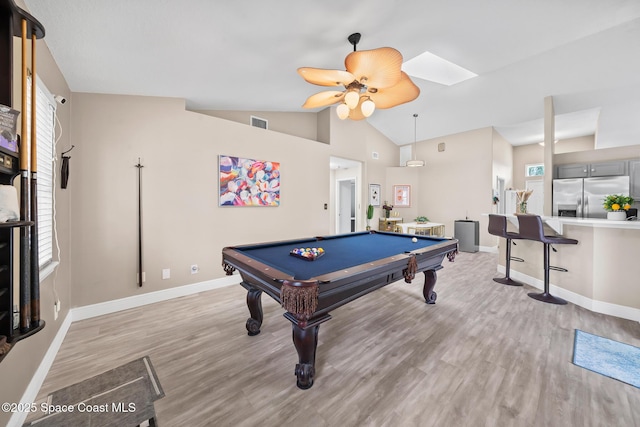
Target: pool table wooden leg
x=254, y=302
x=430, y=278
x=306, y=342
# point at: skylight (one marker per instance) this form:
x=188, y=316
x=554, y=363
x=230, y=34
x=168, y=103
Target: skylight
x=428, y=66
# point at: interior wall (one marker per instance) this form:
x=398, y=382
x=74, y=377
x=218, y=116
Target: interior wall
x=502, y=163
x=598, y=155
x=18, y=367
x=357, y=140
x=304, y=125
x=182, y=222
x=403, y=176
x=457, y=183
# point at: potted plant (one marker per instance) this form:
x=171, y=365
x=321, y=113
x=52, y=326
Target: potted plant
x=617, y=206
x=369, y=216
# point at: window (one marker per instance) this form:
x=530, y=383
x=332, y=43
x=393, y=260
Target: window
x=534, y=170
x=45, y=139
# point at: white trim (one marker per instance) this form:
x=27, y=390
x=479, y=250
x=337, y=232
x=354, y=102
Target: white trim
x=609, y=309
x=94, y=310
x=30, y=394
x=48, y=269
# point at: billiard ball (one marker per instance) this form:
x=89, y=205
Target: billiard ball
x=414, y=240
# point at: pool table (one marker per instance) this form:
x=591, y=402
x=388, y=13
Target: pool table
x=352, y=266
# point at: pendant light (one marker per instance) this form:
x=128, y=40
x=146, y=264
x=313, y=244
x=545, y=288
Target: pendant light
x=415, y=163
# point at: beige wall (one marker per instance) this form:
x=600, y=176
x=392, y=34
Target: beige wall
x=534, y=153
x=18, y=367
x=457, y=183
x=599, y=155
x=304, y=125
x=182, y=223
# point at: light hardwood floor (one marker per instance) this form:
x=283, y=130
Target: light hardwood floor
x=484, y=355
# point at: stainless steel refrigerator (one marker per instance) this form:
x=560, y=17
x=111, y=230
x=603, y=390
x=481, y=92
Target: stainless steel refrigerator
x=584, y=197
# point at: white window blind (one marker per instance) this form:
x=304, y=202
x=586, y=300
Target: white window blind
x=45, y=139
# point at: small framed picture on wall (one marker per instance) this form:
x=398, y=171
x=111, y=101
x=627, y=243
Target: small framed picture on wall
x=402, y=196
x=374, y=194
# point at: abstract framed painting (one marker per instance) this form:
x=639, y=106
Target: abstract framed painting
x=248, y=182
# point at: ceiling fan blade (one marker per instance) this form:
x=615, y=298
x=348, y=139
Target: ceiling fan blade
x=322, y=77
x=322, y=99
x=402, y=92
x=377, y=68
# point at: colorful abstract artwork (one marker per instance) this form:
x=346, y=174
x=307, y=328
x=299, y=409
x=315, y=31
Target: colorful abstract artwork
x=247, y=182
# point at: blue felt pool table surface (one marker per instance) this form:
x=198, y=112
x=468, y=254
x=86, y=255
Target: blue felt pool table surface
x=340, y=252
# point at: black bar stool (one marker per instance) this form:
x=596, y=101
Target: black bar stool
x=531, y=228
x=498, y=227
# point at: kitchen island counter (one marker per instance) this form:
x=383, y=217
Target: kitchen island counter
x=603, y=268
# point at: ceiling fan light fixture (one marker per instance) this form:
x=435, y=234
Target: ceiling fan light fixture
x=368, y=107
x=351, y=99
x=343, y=111
x=372, y=77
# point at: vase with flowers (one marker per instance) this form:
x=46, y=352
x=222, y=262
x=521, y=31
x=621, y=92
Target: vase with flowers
x=387, y=209
x=617, y=206
x=523, y=196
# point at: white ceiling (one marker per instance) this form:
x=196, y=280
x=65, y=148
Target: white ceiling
x=243, y=55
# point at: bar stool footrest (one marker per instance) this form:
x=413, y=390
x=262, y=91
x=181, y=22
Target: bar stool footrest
x=552, y=267
x=515, y=258
x=547, y=297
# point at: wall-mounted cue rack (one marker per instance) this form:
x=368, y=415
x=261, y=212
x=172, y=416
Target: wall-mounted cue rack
x=15, y=22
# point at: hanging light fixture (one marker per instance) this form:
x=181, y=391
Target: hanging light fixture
x=413, y=163
x=373, y=79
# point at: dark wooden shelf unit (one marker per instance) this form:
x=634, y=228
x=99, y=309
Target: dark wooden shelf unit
x=11, y=24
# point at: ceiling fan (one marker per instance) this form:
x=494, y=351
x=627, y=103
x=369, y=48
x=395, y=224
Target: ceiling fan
x=373, y=79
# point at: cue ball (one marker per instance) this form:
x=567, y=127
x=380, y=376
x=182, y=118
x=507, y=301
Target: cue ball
x=414, y=240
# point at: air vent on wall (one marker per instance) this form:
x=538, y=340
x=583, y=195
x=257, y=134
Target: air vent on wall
x=259, y=123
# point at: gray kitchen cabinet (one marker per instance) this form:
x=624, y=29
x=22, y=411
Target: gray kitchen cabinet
x=572, y=171
x=615, y=168
x=634, y=177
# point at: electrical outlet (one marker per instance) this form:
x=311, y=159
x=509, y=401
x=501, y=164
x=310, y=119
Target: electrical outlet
x=195, y=269
x=166, y=273
x=144, y=277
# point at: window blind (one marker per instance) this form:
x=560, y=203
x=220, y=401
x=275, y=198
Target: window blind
x=45, y=133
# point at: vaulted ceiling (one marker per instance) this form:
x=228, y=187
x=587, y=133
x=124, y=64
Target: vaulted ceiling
x=243, y=55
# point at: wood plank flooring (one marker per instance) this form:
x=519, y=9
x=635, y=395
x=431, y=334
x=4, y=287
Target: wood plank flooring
x=484, y=355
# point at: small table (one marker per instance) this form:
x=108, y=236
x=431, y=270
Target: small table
x=432, y=228
x=389, y=224
x=353, y=265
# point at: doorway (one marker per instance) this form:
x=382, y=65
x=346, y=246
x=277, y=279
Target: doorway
x=346, y=206
x=346, y=179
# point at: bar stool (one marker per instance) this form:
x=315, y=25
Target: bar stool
x=498, y=227
x=531, y=228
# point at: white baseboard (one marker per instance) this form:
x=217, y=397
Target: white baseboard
x=94, y=310
x=30, y=394
x=616, y=310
